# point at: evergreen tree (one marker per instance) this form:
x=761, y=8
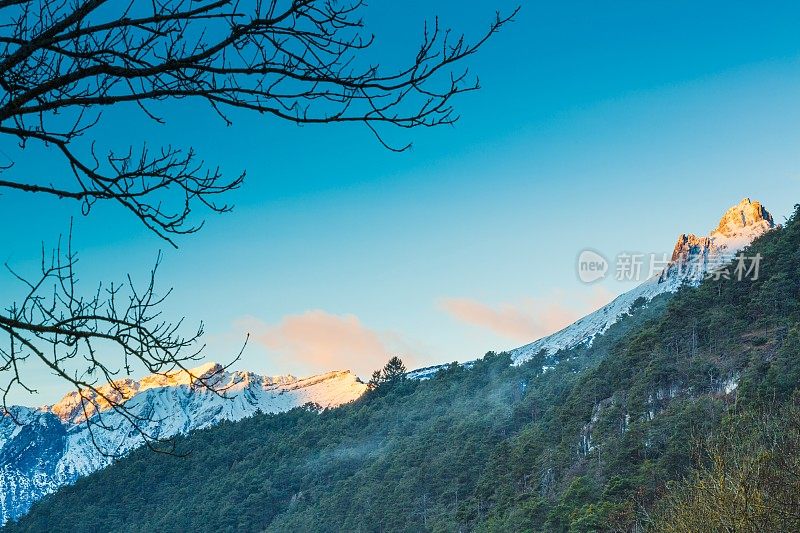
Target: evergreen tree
x=375, y=380
x=492, y=446
x=394, y=370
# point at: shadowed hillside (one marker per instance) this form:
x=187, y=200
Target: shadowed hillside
x=584, y=440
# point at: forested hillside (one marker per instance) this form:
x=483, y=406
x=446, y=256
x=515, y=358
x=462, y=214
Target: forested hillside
x=597, y=438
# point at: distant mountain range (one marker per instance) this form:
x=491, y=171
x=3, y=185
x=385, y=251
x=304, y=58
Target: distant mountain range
x=53, y=446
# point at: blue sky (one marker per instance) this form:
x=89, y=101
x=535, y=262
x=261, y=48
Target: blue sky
x=611, y=126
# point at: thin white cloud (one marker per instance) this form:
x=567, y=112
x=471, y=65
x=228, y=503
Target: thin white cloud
x=317, y=341
x=529, y=319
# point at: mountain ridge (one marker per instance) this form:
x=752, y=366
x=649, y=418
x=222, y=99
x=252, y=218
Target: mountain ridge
x=59, y=446
x=692, y=259
x=592, y=443
x=177, y=405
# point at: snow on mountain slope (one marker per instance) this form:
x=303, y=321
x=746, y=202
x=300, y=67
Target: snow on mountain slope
x=692, y=259
x=53, y=446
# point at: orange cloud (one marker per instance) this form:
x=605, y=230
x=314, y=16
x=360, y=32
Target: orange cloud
x=317, y=341
x=528, y=320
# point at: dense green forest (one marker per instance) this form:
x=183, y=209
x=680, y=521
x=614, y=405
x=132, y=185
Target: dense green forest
x=631, y=432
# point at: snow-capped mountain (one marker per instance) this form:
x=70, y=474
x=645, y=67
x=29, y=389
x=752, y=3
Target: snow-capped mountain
x=692, y=259
x=52, y=446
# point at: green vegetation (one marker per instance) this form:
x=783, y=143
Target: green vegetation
x=748, y=479
x=611, y=437
x=393, y=372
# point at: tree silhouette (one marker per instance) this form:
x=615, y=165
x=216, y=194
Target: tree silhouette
x=393, y=371
x=64, y=61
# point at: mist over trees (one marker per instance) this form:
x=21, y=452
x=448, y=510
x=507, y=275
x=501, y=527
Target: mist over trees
x=639, y=432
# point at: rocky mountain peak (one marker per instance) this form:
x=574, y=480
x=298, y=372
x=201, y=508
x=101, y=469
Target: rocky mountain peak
x=693, y=257
x=739, y=226
x=746, y=214
x=688, y=246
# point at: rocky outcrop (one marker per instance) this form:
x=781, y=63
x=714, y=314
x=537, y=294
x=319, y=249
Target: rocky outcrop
x=693, y=258
x=744, y=216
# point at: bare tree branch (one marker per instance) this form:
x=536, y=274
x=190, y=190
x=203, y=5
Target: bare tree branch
x=302, y=61
x=75, y=338
x=62, y=62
